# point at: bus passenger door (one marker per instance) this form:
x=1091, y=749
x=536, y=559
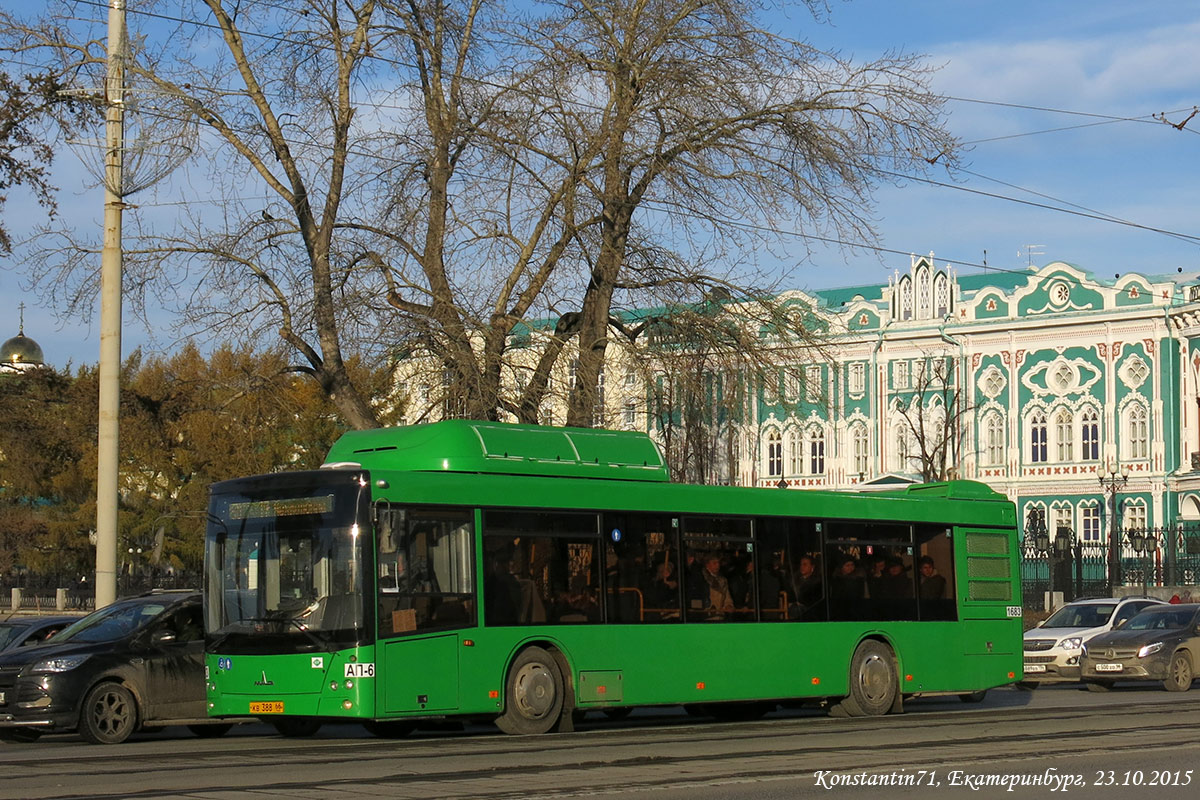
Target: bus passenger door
x=420, y=674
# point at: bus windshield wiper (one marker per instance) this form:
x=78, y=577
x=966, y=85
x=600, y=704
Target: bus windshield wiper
x=298, y=623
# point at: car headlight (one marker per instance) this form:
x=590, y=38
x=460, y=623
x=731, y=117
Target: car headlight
x=1071, y=644
x=1150, y=649
x=60, y=664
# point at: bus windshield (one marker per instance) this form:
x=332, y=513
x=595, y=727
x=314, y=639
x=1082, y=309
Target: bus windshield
x=283, y=562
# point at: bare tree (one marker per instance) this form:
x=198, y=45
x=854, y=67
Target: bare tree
x=431, y=179
x=935, y=415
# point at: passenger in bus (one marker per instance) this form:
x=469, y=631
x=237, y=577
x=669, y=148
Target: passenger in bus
x=876, y=572
x=502, y=593
x=720, y=601
x=895, y=584
x=933, y=585
x=847, y=588
x=662, y=590
x=741, y=581
x=694, y=583
x=808, y=589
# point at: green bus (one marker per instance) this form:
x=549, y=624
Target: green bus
x=527, y=575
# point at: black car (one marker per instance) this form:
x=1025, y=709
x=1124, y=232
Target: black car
x=1159, y=644
x=136, y=663
x=27, y=631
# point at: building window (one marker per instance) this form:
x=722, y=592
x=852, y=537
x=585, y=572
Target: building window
x=993, y=449
x=1037, y=438
x=900, y=437
x=598, y=417
x=630, y=379
x=816, y=451
x=630, y=416
x=861, y=452
x=812, y=384
x=794, y=460
x=1064, y=434
x=1137, y=429
x=858, y=378
x=771, y=389
x=900, y=374
x=1091, y=436
x=1089, y=518
x=774, y=455
x=1135, y=515
x=1061, y=517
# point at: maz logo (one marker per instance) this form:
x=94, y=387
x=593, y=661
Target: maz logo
x=264, y=681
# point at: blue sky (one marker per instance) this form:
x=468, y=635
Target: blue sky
x=1101, y=59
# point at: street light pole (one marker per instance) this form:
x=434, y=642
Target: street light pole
x=1035, y=534
x=1111, y=480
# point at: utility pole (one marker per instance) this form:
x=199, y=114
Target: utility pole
x=110, y=311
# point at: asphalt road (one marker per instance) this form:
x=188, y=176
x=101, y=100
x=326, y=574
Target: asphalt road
x=1137, y=742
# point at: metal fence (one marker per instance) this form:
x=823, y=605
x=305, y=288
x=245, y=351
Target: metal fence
x=41, y=593
x=1145, y=557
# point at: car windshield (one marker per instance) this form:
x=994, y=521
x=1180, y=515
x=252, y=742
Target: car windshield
x=110, y=623
x=1083, y=615
x=1170, y=619
x=283, y=561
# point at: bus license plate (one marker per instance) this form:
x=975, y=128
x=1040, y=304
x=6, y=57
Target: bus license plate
x=1034, y=668
x=269, y=707
x=1109, y=667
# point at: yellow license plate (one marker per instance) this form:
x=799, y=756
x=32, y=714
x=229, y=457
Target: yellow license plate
x=269, y=707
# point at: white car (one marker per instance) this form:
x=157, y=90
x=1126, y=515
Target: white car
x=1053, y=648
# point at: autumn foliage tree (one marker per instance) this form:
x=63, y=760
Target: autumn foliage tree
x=188, y=420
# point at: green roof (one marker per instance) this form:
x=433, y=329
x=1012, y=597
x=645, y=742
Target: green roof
x=501, y=448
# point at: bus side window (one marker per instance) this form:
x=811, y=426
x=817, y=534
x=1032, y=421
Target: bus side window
x=935, y=565
x=426, y=575
x=641, y=568
x=541, y=567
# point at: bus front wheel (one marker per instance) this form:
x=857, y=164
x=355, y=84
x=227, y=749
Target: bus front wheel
x=533, y=693
x=873, y=681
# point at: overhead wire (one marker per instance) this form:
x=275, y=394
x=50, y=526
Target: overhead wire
x=1082, y=212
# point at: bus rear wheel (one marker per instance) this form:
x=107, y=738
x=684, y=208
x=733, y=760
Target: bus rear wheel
x=533, y=693
x=873, y=681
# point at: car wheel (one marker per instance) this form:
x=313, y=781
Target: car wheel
x=20, y=735
x=873, y=681
x=533, y=693
x=211, y=731
x=109, y=714
x=1179, y=674
x=1027, y=686
x=1098, y=686
x=388, y=729
x=973, y=697
x=296, y=727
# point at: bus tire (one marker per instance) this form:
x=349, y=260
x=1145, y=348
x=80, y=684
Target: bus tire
x=296, y=727
x=533, y=693
x=973, y=697
x=873, y=680
x=1179, y=673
